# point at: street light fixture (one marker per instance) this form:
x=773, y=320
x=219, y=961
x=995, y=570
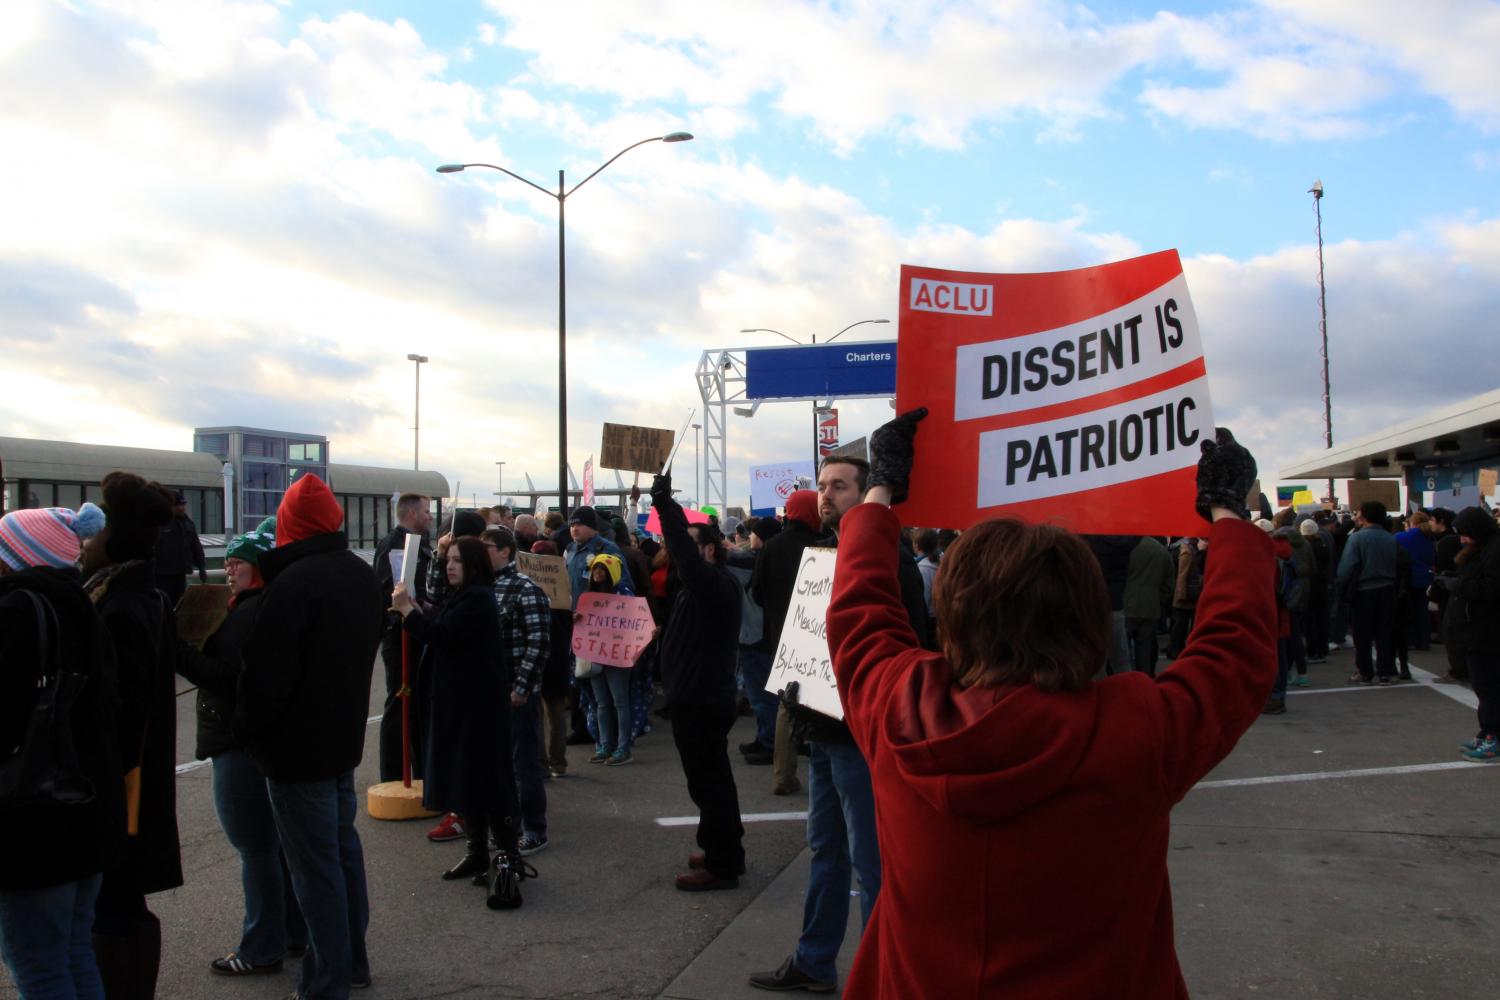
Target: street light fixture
x=416, y=420
x=561, y=195
x=1317, y=192
x=500, y=484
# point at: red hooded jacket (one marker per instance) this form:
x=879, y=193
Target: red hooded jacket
x=309, y=508
x=1023, y=835
x=803, y=506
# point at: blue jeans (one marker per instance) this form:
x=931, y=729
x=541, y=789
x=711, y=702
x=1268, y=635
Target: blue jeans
x=841, y=833
x=612, y=692
x=46, y=940
x=272, y=920
x=316, y=823
x=526, y=755
x=755, y=666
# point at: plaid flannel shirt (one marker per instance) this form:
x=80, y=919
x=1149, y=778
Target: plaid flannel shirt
x=525, y=628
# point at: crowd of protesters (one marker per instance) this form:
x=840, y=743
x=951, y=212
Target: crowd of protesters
x=981, y=673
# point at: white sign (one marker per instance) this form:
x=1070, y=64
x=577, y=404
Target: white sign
x=409, y=554
x=770, y=485
x=802, y=651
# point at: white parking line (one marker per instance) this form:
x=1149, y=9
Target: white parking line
x=799, y=817
x=1364, y=772
x=193, y=765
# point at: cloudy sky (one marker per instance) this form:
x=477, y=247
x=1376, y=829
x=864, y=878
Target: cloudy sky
x=226, y=213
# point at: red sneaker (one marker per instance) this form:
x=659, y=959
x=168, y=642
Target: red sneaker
x=450, y=828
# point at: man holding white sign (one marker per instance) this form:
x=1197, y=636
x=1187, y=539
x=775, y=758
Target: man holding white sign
x=413, y=516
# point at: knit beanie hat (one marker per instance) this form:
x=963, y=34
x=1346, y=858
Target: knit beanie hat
x=586, y=517
x=609, y=562
x=135, y=511
x=543, y=547
x=468, y=524
x=1264, y=525
x=1308, y=528
x=803, y=506
x=766, y=528
x=251, y=544
x=308, y=508
x=47, y=536
x=1475, y=522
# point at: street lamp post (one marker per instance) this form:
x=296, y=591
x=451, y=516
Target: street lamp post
x=416, y=420
x=500, y=483
x=817, y=451
x=561, y=195
x=1317, y=192
x=697, y=482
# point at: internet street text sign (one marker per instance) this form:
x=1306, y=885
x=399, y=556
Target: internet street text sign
x=821, y=371
x=1073, y=397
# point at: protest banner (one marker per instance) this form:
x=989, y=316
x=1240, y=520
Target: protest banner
x=551, y=574
x=653, y=519
x=411, y=551
x=1387, y=491
x=201, y=611
x=588, y=482
x=770, y=485
x=802, y=648
x=1488, y=480
x=635, y=449
x=1073, y=397
x=1286, y=494
x=613, y=630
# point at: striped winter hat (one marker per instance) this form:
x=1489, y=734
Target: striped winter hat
x=47, y=536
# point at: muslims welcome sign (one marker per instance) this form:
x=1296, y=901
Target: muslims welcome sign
x=1074, y=397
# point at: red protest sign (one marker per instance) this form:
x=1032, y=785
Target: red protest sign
x=1074, y=397
x=613, y=630
x=653, y=519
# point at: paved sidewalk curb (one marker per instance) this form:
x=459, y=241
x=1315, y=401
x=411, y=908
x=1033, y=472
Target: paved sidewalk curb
x=760, y=938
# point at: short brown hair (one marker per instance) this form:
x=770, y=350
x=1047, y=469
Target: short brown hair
x=553, y=522
x=501, y=538
x=1021, y=603
x=861, y=469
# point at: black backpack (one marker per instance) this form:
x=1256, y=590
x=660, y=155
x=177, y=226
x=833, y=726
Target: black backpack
x=44, y=769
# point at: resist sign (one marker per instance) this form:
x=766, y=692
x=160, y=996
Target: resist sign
x=611, y=629
x=802, y=650
x=1078, y=397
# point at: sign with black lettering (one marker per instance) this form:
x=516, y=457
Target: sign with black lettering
x=802, y=649
x=1075, y=397
x=635, y=449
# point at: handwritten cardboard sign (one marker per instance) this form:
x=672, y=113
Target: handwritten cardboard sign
x=635, y=449
x=802, y=650
x=613, y=629
x=1073, y=397
x=201, y=611
x=1488, y=480
x=1387, y=491
x=551, y=574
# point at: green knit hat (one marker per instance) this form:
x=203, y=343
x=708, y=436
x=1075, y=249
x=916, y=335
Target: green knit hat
x=251, y=544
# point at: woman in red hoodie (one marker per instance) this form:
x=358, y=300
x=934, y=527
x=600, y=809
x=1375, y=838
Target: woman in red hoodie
x=1024, y=807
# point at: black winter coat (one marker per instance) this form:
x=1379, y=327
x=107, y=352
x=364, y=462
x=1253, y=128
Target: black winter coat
x=178, y=549
x=144, y=638
x=776, y=574
x=304, y=693
x=464, y=689
x=216, y=671
x=1473, y=619
x=45, y=846
x=699, y=646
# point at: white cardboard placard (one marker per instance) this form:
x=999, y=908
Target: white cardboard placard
x=802, y=649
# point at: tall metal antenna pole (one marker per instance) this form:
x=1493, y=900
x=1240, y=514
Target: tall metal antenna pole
x=1317, y=192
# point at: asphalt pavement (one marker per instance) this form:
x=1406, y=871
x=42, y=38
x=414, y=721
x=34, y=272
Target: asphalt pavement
x=1343, y=850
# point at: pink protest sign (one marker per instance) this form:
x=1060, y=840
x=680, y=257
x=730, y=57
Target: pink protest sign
x=653, y=519
x=612, y=630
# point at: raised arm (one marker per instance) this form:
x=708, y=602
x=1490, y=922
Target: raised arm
x=687, y=560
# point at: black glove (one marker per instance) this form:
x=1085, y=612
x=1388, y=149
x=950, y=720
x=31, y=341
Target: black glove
x=1225, y=474
x=892, y=448
x=661, y=487
x=788, y=695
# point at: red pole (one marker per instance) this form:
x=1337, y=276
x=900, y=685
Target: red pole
x=405, y=708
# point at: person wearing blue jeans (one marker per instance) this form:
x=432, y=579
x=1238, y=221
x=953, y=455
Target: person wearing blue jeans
x=323, y=850
x=755, y=666
x=273, y=924
x=841, y=833
x=611, y=689
x=45, y=939
x=526, y=752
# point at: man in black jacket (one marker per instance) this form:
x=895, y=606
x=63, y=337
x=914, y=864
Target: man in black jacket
x=178, y=551
x=413, y=516
x=698, y=652
x=300, y=711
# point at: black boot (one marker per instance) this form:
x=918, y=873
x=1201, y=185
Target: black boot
x=477, y=855
x=508, y=869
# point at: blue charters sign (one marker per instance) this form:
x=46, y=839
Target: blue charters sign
x=857, y=370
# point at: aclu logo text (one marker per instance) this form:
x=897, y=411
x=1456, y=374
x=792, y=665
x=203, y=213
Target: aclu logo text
x=952, y=297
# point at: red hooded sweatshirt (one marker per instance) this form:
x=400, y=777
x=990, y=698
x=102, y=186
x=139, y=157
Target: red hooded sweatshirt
x=309, y=508
x=803, y=506
x=1023, y=835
